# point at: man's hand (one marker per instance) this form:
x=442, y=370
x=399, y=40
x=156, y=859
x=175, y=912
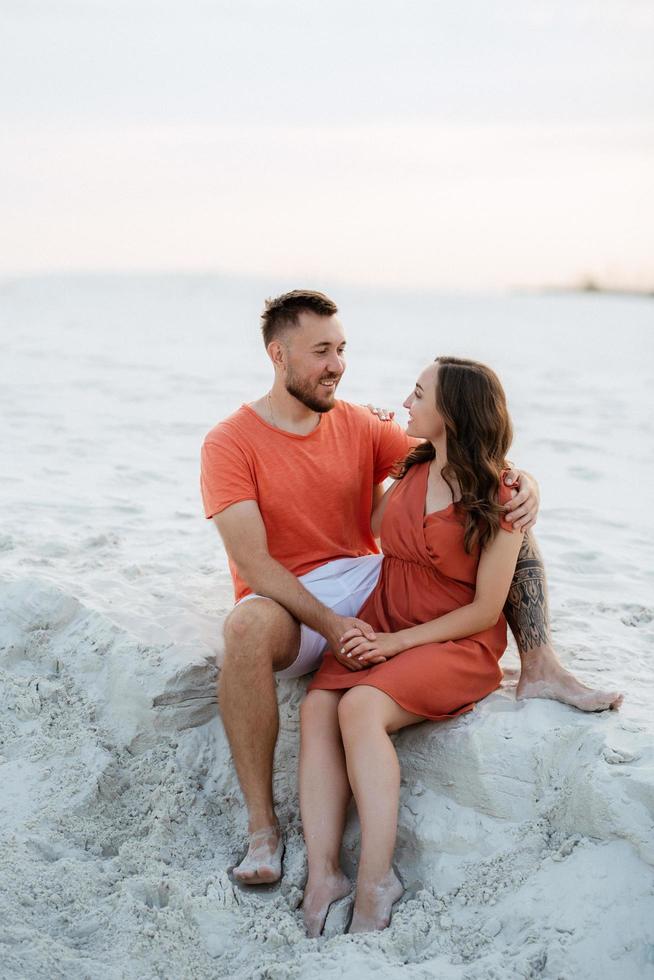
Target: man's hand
x=358, y=648
x=342, y=625
x=244, y=535
x=383, y=414
x=522, y=509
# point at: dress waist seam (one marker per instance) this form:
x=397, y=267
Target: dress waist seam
x=410, y=561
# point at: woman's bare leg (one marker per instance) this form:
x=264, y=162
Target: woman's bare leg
x=367, y=717
x=324, y=796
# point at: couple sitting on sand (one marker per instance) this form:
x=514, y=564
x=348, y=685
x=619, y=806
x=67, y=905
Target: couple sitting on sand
x=294, y=484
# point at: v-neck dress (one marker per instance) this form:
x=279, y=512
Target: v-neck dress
x=426, y=573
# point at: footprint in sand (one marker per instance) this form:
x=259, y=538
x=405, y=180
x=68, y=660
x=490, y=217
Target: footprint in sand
x=638, y=616
x=617, y=757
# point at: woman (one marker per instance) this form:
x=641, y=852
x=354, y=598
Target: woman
x=449, y=558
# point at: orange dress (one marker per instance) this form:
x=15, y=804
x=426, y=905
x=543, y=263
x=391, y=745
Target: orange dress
x=426, y=573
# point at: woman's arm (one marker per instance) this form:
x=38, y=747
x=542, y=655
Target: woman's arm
x=494, y=576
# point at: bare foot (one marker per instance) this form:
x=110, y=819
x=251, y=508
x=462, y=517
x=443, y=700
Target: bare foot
x=319, y=894
x=543, y=676
x=262, y=865
x=374, y=903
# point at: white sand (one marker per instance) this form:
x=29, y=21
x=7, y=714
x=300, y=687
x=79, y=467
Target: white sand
x=526, y=829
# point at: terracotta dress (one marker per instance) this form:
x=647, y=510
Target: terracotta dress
x=425, y=574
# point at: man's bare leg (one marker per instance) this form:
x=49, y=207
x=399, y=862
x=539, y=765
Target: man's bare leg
x=260, y=637
x=527, y=612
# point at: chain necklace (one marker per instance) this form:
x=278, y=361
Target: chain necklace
x=272, y=417
x=272, y=414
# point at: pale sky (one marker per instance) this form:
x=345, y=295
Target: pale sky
x=424, y=144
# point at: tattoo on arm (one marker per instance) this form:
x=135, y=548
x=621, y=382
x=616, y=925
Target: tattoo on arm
x=526, y=608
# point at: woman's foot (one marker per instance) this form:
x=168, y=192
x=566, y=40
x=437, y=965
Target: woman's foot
x=262, y=865
x=319, y=894
x=542, y=676
x=374, y=903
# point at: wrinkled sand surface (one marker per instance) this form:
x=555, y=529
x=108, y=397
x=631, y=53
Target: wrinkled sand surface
x=526, y=829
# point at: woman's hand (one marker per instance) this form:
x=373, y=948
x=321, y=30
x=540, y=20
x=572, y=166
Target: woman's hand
x=355, y=646
x=348, y=626
x=383, y=414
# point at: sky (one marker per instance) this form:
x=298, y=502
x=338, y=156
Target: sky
x=436, y=144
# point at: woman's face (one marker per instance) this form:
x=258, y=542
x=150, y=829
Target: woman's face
x=425, y=421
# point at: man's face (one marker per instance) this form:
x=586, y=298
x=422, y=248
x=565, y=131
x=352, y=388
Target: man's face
x=315, y=360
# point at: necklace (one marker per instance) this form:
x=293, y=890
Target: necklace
x=272, y=417
x=273, y=421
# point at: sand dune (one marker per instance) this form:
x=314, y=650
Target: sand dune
x=526, y=828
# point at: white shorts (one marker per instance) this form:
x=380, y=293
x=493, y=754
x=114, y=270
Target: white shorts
x=343, y=585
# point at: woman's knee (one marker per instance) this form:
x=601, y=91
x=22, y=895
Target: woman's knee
x=359, y=709
x=319, y=710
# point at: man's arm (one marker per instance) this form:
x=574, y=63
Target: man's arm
x=244, y=535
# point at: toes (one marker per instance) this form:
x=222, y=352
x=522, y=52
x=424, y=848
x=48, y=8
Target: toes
x=248, y=877
x=609, y=703
x=257, y=878
x=263, y=875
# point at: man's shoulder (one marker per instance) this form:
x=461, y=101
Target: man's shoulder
x=352, y=414
x=370, y=426
x=232, y=427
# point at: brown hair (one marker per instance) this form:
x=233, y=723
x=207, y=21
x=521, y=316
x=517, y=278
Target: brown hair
x=471, y=400
x=284, y=311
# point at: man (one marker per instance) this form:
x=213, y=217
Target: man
x=290, y=481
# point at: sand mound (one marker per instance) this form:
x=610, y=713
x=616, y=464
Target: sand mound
x=525, y=828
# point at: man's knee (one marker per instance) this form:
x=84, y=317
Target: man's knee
x=254, y=617
x=263, y=628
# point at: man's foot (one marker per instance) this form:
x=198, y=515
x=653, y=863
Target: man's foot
x=319, y=896
x=542, y=676
x=374, y=903
x=262, y=865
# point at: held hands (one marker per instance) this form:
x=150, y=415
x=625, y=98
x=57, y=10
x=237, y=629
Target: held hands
x=522, y=509
x=348, y=625
x=359, y=649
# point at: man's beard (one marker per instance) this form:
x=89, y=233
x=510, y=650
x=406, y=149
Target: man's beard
x=301, y=390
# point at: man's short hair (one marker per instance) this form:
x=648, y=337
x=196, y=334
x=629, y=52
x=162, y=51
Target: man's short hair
x=284, y=311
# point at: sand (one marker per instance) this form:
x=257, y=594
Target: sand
x=526, y=828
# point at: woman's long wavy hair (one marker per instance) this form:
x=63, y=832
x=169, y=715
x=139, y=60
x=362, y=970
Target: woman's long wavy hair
x=478, y=430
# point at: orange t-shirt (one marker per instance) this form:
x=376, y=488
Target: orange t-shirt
x=314, y=492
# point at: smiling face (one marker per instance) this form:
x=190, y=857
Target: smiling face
x=425, y=421
x=313, y=360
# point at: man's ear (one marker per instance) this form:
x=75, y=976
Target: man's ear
x=277, y=353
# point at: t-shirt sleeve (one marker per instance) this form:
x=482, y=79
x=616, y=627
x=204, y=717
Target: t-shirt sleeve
x=225, y=474
x=391, y=446
x=505, y=494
